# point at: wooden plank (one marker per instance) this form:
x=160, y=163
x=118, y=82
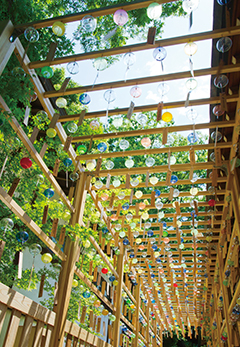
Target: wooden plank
x=223, y=32
x=38, y=334
x=3, y=311
x=46, y=104
x=6, y=47
x=12, y=329
x=64, y=291
x=48, y=336
x=34, y=154
x=26, y=332
x=15, y=208
x=145, y=80
x=117, y=311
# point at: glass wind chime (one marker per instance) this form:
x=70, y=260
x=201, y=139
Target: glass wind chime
x=120, y=17
x=189, y=6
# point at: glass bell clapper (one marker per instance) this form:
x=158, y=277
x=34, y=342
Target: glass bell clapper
x=120, y=17
x=109, y=96
x=190, y=49
x=35, y=249
x=191, y=84
x=129, y=59
x=159, y=54
x=67, y=162
x=22, y=237
x=100, y=64
x=189, y=6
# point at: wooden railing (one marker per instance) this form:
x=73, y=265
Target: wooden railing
x=24, y=323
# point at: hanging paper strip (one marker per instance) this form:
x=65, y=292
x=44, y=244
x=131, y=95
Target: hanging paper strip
x=40, y=293
x=45, y=214
x=151, y=36
x=56, y=167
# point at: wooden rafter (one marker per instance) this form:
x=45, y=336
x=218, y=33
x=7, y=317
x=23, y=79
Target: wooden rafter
x=144, y=80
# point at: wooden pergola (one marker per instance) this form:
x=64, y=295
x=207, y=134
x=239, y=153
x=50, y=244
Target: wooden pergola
x=174, y=294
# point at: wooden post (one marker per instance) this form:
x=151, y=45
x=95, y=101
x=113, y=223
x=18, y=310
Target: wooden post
x=148, y=323
x=68, y=267
x=116, y=327
x=135, y=342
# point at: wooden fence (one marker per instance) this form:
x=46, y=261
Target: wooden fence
x=24, y=323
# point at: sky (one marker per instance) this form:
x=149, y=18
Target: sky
x=146, y=65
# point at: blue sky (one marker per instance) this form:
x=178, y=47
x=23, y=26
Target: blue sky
x=146, y=65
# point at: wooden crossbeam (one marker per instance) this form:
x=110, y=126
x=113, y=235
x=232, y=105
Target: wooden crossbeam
x=153, y=151
x=140, y=47
x=95, y=12
x=144, y=80
x=152, y=107
x=21, y=214
x=46, y=104
x=160, y=184
x=182, y=205
x=157, y=169
x=35, y=155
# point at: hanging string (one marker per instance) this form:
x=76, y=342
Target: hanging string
x=94, y=82
x=126, y=72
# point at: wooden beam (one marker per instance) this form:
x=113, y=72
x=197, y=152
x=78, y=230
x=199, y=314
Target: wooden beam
x=144, y=80
x=152, y=131
x=137, y=311
x=183, y=205
x=21, y=214
x=181, y=194
x=93, y=288
x=157, y=169
x=46, y=104
x=103, y=256
x=6, y=47
x=35, y=155
x=68, y=266
x=161, y=184
x=95, y=12
x=214, y=34
x=117, y=308
x=146, y=108
x=152, y=151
